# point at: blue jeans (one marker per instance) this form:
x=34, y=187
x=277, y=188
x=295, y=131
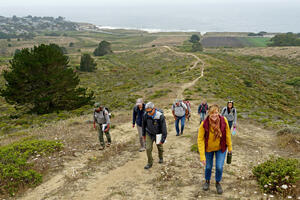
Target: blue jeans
x=202, y=116
x=220, y=157
x=182, y=119
x=230, y=124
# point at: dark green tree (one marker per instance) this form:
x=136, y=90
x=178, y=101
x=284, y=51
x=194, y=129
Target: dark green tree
x=194, y=38
x=287, y=39
x=87, y=63
x=103, y=48
x=197, y=47
x=40, y=80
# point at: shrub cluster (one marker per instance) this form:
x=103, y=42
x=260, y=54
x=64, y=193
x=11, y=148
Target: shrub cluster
x=278, y=175
x=16, y=172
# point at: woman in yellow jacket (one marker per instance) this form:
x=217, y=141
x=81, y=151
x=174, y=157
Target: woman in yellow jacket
x=213, y=139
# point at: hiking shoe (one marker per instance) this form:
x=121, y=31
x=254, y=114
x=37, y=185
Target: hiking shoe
x=101, y=148
x=177, y=134
x=219, y=188
x=206, y=186
x=181, y=133
x=142, y=149
x=108, y=144
x=148, y=166
x=161, y=160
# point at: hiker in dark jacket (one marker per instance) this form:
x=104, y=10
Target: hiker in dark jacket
x=102, y=124
x=154, y=128
x=230, y=113
x=202, y=109
x=137, y=118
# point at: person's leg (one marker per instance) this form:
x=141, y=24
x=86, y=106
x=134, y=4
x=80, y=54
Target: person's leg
x=108, y=137
x=177, y=126
x=100, y=136
x=202, y=116
x=182, y=124
x=220, y=157
x=140, y=135
x=208, y=167
x=230, y=124
x=160, y=149
x=209, y=164
x=149, y=145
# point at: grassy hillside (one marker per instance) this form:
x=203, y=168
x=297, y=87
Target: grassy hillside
x=256, y=84
x=222, y=41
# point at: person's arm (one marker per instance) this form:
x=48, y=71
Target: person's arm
x=228, y=136
x=173, y=112
x=201, y=143
x=235, y=117
x=134, y=117
x=144, y=126
x=107, y=121
x=223, y=111
x=199, y=109
x=163, y=129
x=94, y=120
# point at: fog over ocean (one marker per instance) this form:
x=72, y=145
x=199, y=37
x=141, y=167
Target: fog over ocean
x=202, y=17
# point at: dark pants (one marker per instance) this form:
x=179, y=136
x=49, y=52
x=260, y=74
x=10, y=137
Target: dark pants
x=230, y=124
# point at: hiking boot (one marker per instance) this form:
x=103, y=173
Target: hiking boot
x=148, y=166
x=161, y=160
x=219, y=188
x=108, y=144
x=101, y=148
x=206, y=186
x=181, y=133
x=177, y=134
x=142, y=149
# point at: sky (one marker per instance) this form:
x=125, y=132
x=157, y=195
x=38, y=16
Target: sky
x=206, y=15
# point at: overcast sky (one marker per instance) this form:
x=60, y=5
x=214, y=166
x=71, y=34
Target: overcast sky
x=6, y=3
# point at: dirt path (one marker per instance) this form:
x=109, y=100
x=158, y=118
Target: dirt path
x=180, y=177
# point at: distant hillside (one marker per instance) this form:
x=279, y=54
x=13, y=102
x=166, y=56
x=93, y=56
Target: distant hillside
x=19, y=26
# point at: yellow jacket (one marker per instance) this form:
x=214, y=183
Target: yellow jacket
x=213, y=145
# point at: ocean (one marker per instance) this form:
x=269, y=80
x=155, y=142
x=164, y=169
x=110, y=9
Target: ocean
x=200, y=17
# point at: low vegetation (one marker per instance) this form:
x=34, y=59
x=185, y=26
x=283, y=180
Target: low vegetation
x=278, y=176
x=17, y=164
x=287, y=39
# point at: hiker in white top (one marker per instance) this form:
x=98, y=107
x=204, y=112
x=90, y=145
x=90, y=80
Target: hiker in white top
x=180, y=112
x=230, y=113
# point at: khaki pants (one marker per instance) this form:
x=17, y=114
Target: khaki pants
x=149, y=147
x=100, y=135
x=140, y=132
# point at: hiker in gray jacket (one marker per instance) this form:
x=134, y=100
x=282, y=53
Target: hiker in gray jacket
x=102, y=124
x=180, y=113
x=230, y=113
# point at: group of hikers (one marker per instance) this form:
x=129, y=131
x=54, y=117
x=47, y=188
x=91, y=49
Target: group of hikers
x=214, y=133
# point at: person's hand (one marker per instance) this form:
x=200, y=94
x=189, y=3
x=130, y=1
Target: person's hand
x=234, y=126
x=203, y=162
x=94, y=125
x=107, y=128
x=230, y=152
x=133, y=125
x=175, y=117
x=144, y=138
x=160, y=143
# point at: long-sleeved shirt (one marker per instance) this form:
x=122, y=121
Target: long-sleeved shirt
x=101, y=117
x=202, y=108
x=232, y=116
x=213, y=145
x=153, y=125
x=137, y=115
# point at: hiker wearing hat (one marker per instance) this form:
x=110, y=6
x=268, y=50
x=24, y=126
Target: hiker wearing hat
x=102, y=124
x=180, y=112
x=213, y=140
x=138, y=113
x=154, y=130
x=230, y=113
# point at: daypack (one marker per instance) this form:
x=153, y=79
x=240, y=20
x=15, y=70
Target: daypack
x=188, y=105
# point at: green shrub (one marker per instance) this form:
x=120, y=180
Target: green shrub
x=278, y=175
x=16, y=172
x=194, y=148
x=160, y=93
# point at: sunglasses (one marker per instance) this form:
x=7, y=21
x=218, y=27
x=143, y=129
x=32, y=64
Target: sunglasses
x=149, y=111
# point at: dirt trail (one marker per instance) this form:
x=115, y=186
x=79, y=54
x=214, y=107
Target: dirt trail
x=180, y=177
